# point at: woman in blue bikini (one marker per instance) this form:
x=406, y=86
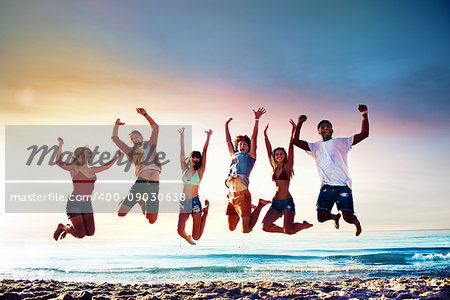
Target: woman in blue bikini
x=282, y=203
x=193, y=168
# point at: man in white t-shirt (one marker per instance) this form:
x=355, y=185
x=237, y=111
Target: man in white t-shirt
x=331, y=161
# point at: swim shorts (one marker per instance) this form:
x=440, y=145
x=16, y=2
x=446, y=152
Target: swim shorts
x=191, y=206
x=146, y=190
x=78, y=205
x=283, y=205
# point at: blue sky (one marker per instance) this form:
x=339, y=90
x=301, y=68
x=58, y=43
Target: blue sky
x=392, y=53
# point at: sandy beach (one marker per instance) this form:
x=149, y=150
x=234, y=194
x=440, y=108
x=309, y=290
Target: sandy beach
x=355, y=288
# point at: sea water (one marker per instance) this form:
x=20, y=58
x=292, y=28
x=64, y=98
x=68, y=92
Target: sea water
x=271, y=257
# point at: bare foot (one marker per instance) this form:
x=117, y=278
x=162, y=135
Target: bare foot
x=306, y=225
x=358, y=228
x=58, y=231
x=206, y=209
x=190, y=241
x=63, y=235
x=336, y=221
x=264, y=202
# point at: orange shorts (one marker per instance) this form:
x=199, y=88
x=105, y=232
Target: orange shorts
x=239, y=203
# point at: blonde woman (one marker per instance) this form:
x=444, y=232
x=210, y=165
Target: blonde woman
x=282, y=204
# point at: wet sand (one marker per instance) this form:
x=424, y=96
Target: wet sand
x=355, y=288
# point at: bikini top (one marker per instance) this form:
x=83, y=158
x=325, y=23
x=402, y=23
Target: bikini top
x=195, y=180
x=283, y=175
x=83, y=185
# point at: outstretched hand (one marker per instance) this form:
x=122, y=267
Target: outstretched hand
x=181, y=131
x=228, y=122
x=302, y=118
x=141, y=111
x=60, y=141
x=208, y=132
x=119, y=123
x=362, y=108
x=292, y=123
x=259, y=112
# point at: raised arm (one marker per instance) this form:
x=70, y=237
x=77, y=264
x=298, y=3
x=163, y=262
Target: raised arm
x=290, y=163
x=60, y=163
x=268, y=145
x=253, y=141
x=297, y=141
x=108, y=165
x=205, y=149
x=228, y=137
x=119, y=143
x=155, y=127
x=182, y=155
x=364, y=126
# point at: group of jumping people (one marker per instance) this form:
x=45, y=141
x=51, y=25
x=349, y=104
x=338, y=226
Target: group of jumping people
x=330, y=155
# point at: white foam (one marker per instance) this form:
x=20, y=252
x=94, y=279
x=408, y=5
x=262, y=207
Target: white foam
x=438, y=256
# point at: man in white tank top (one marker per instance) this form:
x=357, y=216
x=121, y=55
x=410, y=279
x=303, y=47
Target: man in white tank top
x=148, y=168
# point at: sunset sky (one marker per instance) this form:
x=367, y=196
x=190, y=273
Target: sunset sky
x=200, y=63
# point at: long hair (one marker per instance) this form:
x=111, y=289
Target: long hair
x=78, y=156
x=194, y=154
x=276, y=164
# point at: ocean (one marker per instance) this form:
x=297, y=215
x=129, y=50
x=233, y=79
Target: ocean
x=307, y=256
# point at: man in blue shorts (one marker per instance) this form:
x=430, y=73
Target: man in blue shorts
x=331, y=161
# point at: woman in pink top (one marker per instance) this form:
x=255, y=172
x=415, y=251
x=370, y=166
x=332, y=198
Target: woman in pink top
x=79, y=205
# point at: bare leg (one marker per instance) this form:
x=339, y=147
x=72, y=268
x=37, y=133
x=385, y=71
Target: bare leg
x=59, y=230
x=233, y=217
x=151, y=217
x=182, y=218
x=268, y=221
x=199, y=222
x=63, y=235
x=77, y=229
x=324, y=215
x=249, y=222
x=123, y=210
x=290, y=227
x=350, y=218
x=233, y=220
x=89, y=224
